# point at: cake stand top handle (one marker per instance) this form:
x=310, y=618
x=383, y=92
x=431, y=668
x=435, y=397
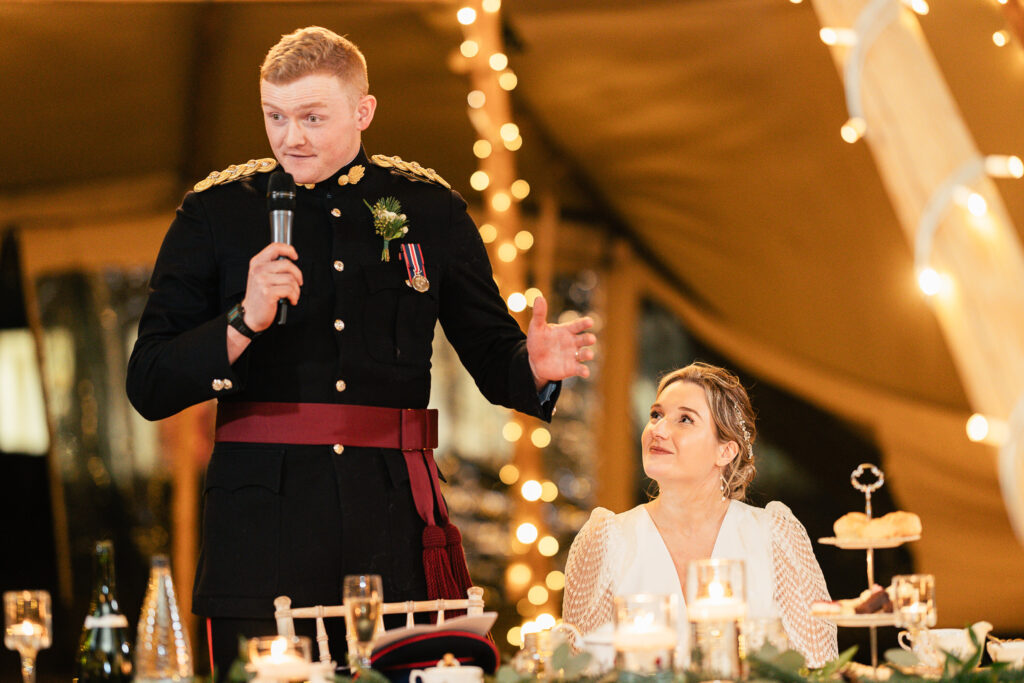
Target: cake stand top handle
x=867, y=488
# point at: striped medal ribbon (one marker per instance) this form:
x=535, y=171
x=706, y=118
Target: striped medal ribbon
x=412, y=254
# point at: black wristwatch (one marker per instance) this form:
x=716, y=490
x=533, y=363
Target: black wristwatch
x=236, y=318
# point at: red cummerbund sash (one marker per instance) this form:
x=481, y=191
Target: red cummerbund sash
x=408, y=429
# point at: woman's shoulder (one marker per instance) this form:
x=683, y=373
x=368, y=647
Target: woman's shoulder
x=774, y=509
x=610, y=529
x=774, y=515
x=603, y=518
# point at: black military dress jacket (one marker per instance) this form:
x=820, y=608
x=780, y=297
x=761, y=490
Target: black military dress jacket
x=282, y=519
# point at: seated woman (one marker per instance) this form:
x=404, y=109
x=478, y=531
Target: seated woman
x=698, y=447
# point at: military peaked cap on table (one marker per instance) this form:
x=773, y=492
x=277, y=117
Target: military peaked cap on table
x=422, y=650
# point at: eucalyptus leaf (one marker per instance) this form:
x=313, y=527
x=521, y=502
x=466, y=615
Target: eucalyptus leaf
x=974, y=660
x=237, y=672
x=790, y=660
x=901, y=657
x=372, y=676
x=507, y=674
x=836, y=665
x=768, y=652
x=560, y=657
x=577, y=665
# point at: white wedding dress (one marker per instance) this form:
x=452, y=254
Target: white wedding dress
x=624, y=554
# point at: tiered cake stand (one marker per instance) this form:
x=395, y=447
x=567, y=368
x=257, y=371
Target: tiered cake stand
x=870, y=621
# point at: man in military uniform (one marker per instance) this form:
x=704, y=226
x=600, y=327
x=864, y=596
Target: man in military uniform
x=323, y=441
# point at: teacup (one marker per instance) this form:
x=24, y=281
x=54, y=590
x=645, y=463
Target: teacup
x=931, y=645
x=1011, y=651
x=447, y=674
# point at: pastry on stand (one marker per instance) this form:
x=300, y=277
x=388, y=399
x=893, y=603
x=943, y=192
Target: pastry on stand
x=862, y=531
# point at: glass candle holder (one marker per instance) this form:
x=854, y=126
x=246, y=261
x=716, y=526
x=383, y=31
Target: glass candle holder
x=645, y=633
x=27, y=627
x=760, y=632
x=715, y=607
x=914, y=600
x=280, y=658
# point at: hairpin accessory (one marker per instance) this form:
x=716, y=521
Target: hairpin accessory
x=746, y=432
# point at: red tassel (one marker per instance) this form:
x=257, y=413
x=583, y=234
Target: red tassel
x=457, y=559
x=440, y=583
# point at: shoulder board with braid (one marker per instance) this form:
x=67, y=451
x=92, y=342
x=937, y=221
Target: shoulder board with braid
x=409, y=169
x=235, y=172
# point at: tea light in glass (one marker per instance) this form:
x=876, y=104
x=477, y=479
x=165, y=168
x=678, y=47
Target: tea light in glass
x=715, y=608
x=280, y=658
x=27, y=627
x=914, y=600
x=645, y=634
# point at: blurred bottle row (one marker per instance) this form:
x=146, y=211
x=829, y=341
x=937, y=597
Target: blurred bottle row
x=162, y=651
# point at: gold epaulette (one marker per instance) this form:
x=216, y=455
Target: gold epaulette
x=234, y=172
x=409, y=169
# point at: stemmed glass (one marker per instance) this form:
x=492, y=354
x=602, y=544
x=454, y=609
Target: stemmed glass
x=27, y=627
x=914, y=602
x=363, y=598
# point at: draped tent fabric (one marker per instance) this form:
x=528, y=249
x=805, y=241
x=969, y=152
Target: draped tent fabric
x=703, y=132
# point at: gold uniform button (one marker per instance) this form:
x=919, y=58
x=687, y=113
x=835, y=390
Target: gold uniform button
x=339, y=266
x=227, y=384
x=336, y=213
x=339, y=449
x=340, y=385
x=339, y=325
x=217, y=384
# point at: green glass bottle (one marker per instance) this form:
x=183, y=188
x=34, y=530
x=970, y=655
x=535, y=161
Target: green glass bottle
x=104, y=653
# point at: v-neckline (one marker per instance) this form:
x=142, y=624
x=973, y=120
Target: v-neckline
x=668, y=555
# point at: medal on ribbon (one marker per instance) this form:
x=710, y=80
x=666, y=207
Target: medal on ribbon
x=412, y=254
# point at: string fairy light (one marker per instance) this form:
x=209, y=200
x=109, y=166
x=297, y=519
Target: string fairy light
x=482, y=56
x=870, y=23
x=956, y=189
x=986, y=429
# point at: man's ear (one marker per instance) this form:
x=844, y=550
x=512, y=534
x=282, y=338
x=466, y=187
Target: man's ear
x=365, y=109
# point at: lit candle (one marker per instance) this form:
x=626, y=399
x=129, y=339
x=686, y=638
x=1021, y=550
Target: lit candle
x=719, y=604
x=281, y=663
x=642, y=633
x=25, y=629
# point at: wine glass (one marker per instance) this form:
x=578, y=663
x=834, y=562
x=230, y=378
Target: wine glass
x=363, y=598
x=27, y=627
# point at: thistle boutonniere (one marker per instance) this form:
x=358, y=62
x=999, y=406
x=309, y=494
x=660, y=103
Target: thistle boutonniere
x=388, y=221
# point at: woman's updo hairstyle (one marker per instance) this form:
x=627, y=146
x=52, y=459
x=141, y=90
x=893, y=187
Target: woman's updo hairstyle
x=733, y=416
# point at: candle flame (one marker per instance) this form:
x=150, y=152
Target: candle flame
x=278, y=647
x=717, y=590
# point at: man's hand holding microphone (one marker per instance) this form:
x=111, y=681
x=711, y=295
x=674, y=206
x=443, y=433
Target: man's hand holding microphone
x=274, y=279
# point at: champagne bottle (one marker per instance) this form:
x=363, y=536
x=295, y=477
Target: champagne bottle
x=103, y=651
x=162, y=650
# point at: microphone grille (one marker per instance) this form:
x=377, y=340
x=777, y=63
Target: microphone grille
x=281, y=192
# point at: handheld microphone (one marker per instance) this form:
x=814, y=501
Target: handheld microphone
x=281, y=207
